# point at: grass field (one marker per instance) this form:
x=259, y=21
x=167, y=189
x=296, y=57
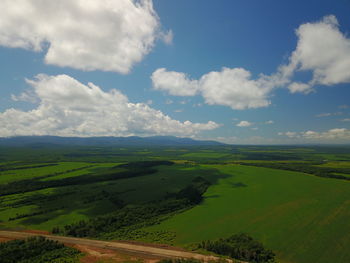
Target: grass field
x=65, y=205
x=294, y=214
x=17, y=174
x=302, y=217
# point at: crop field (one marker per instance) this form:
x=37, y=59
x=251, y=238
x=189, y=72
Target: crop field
x=58, y=206
x=292, y=213
x=292, y=199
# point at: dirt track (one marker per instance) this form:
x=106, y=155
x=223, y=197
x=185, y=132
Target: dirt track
x=118, y=246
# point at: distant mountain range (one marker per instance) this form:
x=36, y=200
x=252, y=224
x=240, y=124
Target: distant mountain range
x=104, y=141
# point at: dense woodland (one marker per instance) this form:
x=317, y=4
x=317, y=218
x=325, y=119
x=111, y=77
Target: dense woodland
x=240, y=246
x=309, y=168
x=37, y=250
x=180, y=260
x=128, y=170
x=141, y=215
x=132, y=194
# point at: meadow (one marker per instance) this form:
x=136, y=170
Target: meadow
x=292, y=213
x=295, y=200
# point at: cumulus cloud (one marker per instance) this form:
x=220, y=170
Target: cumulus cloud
x=27, y=96
x=89, y=35
x=234, y=88
x=244, y=124
x=332, y=135
x=321, y=49
x=296, y=87
x=69, y=108
x=175, y=83
x=229, y=87
x=269, y=122
x=288, y=134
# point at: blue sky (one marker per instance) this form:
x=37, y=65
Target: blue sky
x=184, y=68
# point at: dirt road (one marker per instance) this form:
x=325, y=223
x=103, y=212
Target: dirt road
x=118, y=246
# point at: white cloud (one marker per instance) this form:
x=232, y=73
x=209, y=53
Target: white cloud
x=296, y=87
x=228, y=140
x=324, y=114
x=244, y=124
x=327, y=114
x=269, y=122
x=175, y=83
x=288, y=134
x=167, y=37
x=69, y=108
x=321, y=49
x=229, y=87
x=28, y=96
x=89, y=35
x=332, y=135
x=346, y=119
x=234, y=88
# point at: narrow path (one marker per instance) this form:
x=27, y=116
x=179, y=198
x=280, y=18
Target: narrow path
x=119, y=246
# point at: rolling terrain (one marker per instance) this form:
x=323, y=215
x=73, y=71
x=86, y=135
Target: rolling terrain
x=295, y=200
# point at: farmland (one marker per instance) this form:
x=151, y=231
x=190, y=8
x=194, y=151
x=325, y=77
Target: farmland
x=288, y=211
x=295, y=200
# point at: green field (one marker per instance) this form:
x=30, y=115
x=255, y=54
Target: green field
x=292, y=213
x=301, y=210
x=68, y=204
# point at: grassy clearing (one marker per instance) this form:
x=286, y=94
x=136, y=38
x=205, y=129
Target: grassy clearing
x=205, y=155
x=293, y=214
x=333, y=164
x=50, y=207
x=301, y=217
x=22, y=174
x=89, y=168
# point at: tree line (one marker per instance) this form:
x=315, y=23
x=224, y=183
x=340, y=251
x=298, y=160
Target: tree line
x=141, y=215
x=114, y=173
x=305, y=168
x=37, y=250
x=240, y=246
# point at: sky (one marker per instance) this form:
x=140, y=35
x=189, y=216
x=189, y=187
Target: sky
x=235, y=71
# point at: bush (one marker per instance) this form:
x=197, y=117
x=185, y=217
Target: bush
x=36, y=250
x=240, y=246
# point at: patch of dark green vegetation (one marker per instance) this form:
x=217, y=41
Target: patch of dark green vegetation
x=15, y=166
x=200, y=154
x=36, y=213
x=135, y=217
x=309, y=168
x=37, y=250
x=182, y=260
x=124, y=192
x=240, y=246
x=143, y=164
x=110, y=174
